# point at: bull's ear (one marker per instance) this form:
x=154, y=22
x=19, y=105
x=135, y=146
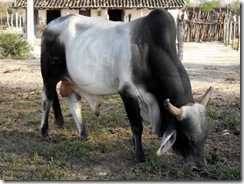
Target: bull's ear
x=167, y=142
x=205, y=97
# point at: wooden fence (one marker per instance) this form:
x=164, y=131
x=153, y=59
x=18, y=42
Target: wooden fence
x=218, y=25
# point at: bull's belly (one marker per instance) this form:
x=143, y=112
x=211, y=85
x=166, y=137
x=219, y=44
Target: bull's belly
x=93, y=89
x=95, y=85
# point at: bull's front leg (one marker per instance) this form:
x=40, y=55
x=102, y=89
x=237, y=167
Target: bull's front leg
x=133, y=112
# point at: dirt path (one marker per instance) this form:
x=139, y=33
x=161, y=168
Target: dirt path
x=213, y=64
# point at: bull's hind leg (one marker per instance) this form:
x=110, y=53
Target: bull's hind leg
x=59, y=120
x=48, y=94
x=74, y=103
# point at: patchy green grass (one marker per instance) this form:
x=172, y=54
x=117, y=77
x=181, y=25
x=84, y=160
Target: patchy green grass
x=25, y=155
x=228, y=117
x=231, y=118
x=224, y=172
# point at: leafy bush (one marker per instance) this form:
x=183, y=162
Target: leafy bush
x=14, y=45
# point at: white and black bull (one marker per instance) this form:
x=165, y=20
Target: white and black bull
x=96, y=58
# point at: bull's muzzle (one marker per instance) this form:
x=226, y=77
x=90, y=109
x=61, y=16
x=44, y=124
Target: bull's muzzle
x=195, y=166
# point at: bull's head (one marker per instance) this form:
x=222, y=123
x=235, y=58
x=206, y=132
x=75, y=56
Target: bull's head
x=188, y=135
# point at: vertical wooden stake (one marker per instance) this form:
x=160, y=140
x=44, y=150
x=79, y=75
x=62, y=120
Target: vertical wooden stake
x=180, y=31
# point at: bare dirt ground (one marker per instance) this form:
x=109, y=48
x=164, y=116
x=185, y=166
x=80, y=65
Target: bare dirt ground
x=208, y=64
x=213, y=64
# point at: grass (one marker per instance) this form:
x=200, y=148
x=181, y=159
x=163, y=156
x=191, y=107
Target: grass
x=25, y=155
x=224, y=172
x=231, y=118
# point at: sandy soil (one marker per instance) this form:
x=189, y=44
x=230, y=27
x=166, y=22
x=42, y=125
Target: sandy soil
x=213, y=64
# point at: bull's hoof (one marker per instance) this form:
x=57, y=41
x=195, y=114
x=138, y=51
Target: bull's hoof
x=141, y=164
x=142, y=161
x=59, y=122
x=85, y=138
x=47, y=137
x=141, y=158
x=44, y=133
x=58, y=125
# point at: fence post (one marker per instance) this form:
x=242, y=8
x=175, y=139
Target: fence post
x=7, y=19
x=239, y=34
x=20, y=21
x=226, y=29
x=180, y=35
x=197, y=28
x=234, y=31
x=230, y=30
x=16, y=19
x=12, y=20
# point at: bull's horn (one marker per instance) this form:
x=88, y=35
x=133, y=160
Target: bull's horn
x=205, y=97
x=175, y=111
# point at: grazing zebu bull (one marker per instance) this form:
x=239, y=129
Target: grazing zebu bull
x=95, y=58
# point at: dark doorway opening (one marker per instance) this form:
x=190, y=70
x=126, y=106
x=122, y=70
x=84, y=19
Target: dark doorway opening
x=85, y=12
x=116, y=15
x=52, y=14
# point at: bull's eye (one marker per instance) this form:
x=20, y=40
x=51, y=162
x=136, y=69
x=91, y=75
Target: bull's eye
x=188, y=137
